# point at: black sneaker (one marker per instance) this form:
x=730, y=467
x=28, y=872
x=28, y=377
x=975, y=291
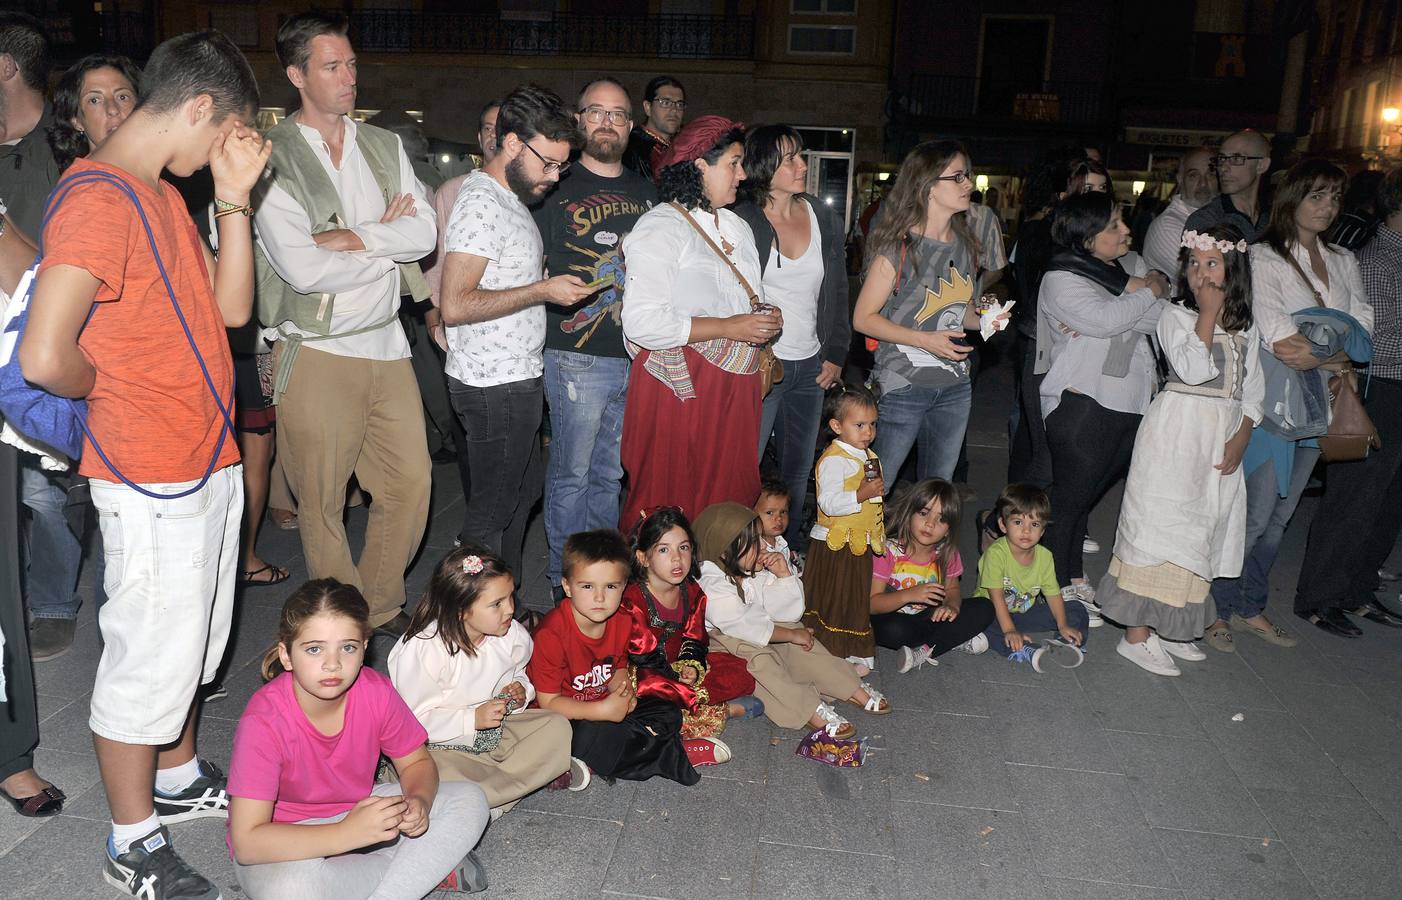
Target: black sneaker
x=206, y=798
x=152, y=870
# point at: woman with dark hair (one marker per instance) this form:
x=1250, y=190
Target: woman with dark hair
x=917, y=301
x=1292, y=269
x=1093, y=322
x=1090, y=176
x=691, y=313
x=92, y=98
x=802, y=259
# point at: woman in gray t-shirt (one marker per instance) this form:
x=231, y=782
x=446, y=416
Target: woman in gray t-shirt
x=917, y=301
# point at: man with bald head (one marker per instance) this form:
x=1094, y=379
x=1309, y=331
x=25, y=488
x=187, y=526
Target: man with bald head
x=1241, y=167
x=1197, y=185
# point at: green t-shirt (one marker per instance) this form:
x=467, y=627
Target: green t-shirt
x=997, y=570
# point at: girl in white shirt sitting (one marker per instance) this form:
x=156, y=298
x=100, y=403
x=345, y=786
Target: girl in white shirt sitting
x=461, y=667
x=753, y=606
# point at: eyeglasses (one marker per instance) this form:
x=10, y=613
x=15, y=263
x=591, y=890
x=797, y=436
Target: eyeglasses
x=596, y=114
x=669, y=103
x=551, y=167
x=958, y=177
x=1236, y=159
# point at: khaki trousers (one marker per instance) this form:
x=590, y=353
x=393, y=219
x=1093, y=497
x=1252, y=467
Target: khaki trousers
x=342, y=416
x=792, y=681
x=534, y=751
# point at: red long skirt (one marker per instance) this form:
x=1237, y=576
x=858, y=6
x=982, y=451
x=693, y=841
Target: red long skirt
x=690, y=454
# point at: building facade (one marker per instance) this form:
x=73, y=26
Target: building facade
x=1357, y=78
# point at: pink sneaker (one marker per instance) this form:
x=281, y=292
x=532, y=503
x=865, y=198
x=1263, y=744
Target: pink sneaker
x=706, y=751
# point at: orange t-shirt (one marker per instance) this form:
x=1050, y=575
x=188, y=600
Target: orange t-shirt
x=150, y=407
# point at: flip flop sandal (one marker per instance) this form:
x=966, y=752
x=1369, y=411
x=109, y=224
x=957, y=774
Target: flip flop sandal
x=278, y=577
x=752, y=705
x=874, y=700
x=48, y=802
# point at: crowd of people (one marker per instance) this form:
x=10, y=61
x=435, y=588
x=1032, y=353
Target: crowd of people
x=627, y=318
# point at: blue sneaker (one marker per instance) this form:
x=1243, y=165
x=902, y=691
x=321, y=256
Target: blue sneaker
x=1030, y=653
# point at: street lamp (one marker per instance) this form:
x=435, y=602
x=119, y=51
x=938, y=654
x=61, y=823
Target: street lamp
x=1390, y=126
x=1391, y=114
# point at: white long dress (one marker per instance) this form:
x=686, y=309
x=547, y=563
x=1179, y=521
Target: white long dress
x=1182, y=522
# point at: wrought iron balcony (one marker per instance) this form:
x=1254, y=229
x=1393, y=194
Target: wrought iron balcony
x=666, y=36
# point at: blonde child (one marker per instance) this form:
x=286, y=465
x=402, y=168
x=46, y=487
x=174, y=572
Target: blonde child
x=581, y=671
x=849, y=530
x=754, y=604
x=916, y=606
x=461, y=667
x=305, y=811
x=1018, y=576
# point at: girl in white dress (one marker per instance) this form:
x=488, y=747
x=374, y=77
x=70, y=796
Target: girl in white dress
x=1183, y=519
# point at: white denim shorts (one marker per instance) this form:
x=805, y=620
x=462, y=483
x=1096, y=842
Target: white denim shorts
x=172, y=567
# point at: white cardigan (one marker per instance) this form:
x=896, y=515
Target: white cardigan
x=1277, y=290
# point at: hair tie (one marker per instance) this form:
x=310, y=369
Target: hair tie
x=472, y=565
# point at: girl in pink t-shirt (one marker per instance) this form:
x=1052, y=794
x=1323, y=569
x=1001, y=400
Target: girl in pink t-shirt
x=916, y=607
x=302, y=778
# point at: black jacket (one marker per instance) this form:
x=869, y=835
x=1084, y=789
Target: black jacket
x=834, y=313
x=638, y=155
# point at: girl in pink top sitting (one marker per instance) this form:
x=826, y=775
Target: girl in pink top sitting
x=302, y=776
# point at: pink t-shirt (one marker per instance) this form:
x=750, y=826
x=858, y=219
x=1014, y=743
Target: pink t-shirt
x=278, y=754
x=899, y=571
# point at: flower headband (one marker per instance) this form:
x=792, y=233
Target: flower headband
x=472, y=565
x=1195, y=240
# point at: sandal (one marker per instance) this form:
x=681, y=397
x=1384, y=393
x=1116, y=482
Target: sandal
x=876, y=701
x=48, y=802
x=278, y=576
x=837, y=727
x=752, y=705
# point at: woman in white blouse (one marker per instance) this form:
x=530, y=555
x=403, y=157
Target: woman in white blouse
x=1292, y=269
x=691, y=422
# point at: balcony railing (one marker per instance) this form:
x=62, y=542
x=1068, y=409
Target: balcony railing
x=960, y=97
x=668, y=36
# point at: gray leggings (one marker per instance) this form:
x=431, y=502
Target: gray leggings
x=408, y=869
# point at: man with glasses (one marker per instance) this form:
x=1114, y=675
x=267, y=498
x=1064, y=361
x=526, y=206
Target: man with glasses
x=1241, y=166
x=664, y=108
x=583, y=223
x=492, y=301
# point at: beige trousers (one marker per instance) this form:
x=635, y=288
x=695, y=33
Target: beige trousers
x=534, y=751
x=792, y=681
x=342, y=416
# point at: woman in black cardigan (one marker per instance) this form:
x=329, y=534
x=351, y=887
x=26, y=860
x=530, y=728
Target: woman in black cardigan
x=803, y=258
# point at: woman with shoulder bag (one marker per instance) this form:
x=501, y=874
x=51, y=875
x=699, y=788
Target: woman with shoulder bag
x=803, y=264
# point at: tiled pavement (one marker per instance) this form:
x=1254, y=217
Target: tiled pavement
x=987, y=781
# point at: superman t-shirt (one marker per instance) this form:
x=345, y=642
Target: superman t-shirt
x=583, y=223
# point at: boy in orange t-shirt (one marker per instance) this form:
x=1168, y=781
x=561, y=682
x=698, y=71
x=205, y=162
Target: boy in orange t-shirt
x=171, y=560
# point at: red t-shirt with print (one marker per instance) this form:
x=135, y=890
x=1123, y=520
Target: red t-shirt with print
x=567, y=663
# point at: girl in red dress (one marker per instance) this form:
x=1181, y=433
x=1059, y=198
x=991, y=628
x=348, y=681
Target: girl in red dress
x=669, y=611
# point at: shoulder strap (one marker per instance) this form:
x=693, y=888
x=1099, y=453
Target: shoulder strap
x=1309, y=285
x=734, y=270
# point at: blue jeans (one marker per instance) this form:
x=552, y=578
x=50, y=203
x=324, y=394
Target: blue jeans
x=55, y=554
x=583, y=475
x=934, y=417
x=793, y=412
x=1267, y=515
x=1038, y=619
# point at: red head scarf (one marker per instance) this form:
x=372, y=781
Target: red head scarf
x=693, y=141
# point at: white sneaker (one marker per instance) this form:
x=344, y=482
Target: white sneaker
x=1148, y=656
x=975, y=645
x=1084, y=594
x=1089, y=545
x=1188, y=650
x=914, y=658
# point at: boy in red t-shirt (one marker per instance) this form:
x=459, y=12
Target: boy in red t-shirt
x=171, y=561
x=580, y=670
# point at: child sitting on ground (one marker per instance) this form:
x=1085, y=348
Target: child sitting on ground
x=305, y=816
x=580, y=670
x=753, y=607
x=773, y=511
x=849, y=530
x=1017, y=574
x=461, y=667
x=916, y=607
x=670, y=645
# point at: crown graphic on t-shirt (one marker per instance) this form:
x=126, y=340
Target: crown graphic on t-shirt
x=954, y=290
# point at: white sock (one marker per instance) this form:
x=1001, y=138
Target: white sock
x=177, y=778
x=123, y=835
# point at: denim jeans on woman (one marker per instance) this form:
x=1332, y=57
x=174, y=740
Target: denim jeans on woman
x=793, y=413
x=583, y=474
x=54, y=553
x=930, y=420
x=502, y=429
